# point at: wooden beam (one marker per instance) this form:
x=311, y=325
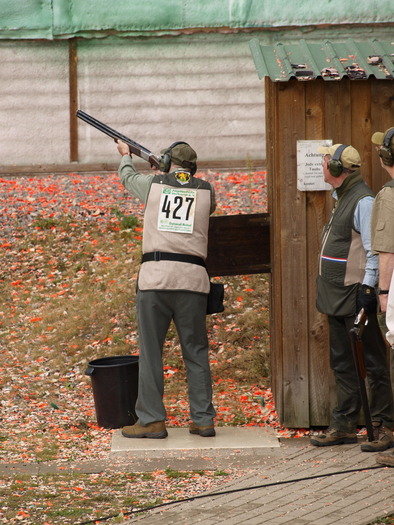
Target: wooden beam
x=76, y=167
x=273, y=160
x=292, y=242
x=73, y=93
x=45, y=169
x=317, y=208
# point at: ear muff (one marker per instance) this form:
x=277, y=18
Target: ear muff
x=385, y=152
x=165, y=159
x=335, y=166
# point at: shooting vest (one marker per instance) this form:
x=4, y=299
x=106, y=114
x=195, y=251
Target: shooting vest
x=382, y=220
x=175, y=238
x=342, y=257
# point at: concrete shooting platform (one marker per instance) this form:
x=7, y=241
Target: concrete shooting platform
x=230, y=447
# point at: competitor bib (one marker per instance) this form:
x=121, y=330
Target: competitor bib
x=177, y=208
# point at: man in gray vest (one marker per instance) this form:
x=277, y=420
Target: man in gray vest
x=347, y=276
x=173, y=284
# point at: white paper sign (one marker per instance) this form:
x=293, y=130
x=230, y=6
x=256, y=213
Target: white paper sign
x=177, y=207
x=309, y=165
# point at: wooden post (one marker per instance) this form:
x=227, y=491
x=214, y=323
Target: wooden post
x=73, y=91
x=276, y=346
x=293, y=246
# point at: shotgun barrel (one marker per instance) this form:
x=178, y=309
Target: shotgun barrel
x=134, y=147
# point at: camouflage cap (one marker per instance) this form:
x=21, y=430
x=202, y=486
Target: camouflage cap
x=183, y=153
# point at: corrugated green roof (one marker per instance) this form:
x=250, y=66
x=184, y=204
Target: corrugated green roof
x=328, y=60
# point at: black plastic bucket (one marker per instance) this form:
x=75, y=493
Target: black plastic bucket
x=115, y=389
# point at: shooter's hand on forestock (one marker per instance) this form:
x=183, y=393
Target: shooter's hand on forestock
x=366, y=298
x=123, y=148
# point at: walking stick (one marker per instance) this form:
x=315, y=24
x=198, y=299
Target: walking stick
x=358, y=355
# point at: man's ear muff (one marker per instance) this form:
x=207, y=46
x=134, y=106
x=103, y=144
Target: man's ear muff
x=385, y=152
x=165, y=159
x=335, y=166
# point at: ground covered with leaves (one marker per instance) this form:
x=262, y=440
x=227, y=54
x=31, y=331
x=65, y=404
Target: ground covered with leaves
x=69, y=254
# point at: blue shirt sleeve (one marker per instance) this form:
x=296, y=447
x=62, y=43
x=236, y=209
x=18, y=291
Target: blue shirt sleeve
x=362, y=224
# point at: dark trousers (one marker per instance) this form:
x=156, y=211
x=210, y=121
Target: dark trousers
x=155, y=311
x=345, y=414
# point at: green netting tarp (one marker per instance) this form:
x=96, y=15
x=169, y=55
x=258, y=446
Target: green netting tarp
x=92, y=18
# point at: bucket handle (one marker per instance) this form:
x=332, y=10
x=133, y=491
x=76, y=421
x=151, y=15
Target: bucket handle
x=89, y=371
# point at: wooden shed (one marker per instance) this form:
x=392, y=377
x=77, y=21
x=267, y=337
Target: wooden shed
x=343, y=91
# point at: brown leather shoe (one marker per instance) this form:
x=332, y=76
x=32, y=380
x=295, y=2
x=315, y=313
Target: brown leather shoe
x=207, y=431
x=333, y=437
x=385, y=459
x=383, y=439
x=156, y=430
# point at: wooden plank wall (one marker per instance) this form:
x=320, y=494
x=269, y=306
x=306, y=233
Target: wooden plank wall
x=239, y=244
x=346, y=112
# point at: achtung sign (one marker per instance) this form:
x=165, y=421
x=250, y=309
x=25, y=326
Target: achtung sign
x=309, y=167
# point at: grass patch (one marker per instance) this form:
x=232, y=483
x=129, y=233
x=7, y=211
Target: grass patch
x=126, y=222
x=66, y=498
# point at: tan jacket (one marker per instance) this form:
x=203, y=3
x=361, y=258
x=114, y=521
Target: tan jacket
x=382, y=220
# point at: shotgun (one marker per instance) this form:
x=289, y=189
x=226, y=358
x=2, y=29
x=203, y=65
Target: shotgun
x=134, y=147
x=358, y=355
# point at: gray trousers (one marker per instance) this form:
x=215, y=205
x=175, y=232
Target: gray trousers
x=155, y=310
x=346, y=413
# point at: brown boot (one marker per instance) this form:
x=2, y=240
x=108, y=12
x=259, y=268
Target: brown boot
x=207, y=431
x=333, y=437
x=156, y=430
x=385, y=459
x=383, y=439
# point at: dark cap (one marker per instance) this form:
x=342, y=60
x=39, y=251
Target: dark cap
x=183, y=153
